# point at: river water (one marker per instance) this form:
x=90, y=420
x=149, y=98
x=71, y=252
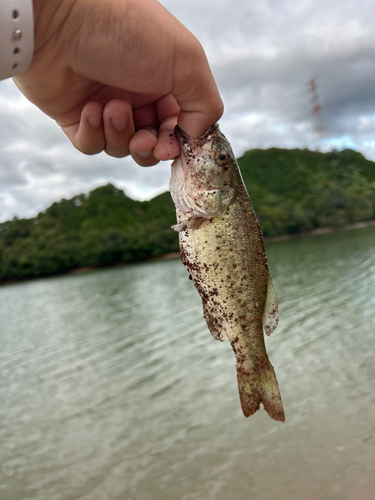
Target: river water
x=111, y=386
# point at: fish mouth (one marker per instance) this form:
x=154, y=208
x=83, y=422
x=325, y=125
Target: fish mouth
x=183, y=138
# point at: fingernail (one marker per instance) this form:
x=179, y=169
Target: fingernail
x=144, y=155
x=95, y=120
x=119, y=122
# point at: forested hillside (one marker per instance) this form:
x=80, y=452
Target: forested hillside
x=101, y=228
x=298, y=190
x=292, y=191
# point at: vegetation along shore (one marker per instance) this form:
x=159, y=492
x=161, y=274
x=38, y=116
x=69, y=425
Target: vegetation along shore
x=294, y=192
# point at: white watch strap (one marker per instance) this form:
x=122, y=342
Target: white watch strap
x=16, y=36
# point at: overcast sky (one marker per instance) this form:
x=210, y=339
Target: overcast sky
x=262, y=54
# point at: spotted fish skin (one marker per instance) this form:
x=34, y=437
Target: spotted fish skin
x=222, y=245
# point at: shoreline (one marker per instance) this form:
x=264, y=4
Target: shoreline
x=321, y=230
x=175, y=255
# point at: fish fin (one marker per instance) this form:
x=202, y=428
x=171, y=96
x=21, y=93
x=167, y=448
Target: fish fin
x=271, y=309
x=179, y=227
x=260, y=386
x=192, y=223
x=215, y=329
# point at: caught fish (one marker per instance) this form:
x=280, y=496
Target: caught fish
x=221, y=243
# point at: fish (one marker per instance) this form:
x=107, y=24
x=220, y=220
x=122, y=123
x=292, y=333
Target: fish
x=222, y=246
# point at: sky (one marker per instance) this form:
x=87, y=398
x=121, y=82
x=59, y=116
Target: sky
x=262, y=53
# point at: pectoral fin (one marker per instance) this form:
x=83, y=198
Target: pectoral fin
x=192, y=223
x=271, y=309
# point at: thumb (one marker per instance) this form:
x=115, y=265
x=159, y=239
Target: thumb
x=197, y=95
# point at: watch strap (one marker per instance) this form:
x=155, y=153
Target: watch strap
x=16, y=36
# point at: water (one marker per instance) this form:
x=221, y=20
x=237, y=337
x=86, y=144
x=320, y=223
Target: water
x=112, y=388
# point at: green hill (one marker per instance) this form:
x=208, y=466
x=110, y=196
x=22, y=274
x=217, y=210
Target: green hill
x=298, y=190
x=292, y=191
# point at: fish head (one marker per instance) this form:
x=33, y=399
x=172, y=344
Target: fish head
x=205, y=178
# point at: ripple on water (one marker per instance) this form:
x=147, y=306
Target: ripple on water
x=112, y=387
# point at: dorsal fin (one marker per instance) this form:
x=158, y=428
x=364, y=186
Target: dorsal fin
x=271, y=309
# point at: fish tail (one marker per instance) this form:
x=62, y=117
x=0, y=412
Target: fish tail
x=260, y=386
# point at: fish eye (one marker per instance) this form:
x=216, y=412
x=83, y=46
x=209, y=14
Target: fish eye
x=221, y=158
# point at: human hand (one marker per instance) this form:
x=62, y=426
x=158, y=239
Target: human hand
x=117, y=75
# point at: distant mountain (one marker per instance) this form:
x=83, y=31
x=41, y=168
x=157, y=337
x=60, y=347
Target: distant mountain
x=292, y=191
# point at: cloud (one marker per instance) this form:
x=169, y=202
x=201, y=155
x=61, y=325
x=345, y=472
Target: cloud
x=262, y=55
x=38, y=165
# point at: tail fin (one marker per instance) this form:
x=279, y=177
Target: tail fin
x=260, y=387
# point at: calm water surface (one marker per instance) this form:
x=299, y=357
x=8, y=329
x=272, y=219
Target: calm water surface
x=111, y=386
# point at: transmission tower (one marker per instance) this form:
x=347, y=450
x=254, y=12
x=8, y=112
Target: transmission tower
x=320, y=130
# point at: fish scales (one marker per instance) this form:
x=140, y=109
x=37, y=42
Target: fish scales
x=221, y=243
